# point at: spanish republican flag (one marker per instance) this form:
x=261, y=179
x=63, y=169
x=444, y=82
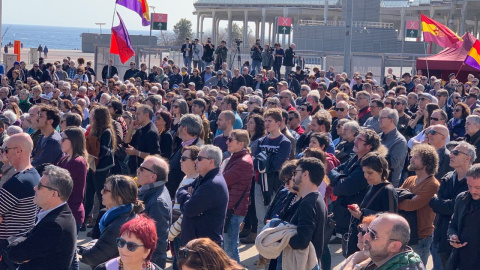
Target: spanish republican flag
x=473, y=57
x=120, y=42
x=140, y=7
x=438, y=33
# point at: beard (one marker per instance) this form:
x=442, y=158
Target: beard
x=375, y=254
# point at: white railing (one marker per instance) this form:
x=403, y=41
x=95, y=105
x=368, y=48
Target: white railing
x=382, y=25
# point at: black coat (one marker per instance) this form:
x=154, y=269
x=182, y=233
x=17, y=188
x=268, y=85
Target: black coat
x=443, y=205
x=444, y=163
x=51, y=243
x=475, y=141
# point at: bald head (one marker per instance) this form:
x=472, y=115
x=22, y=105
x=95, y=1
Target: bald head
x=397, y=226
x=437, y=136
x=159, y=166
x=22, y=141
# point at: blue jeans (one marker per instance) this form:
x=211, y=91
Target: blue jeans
x=422, y=248
x=230, y=239
x=187, y=61
x=256, y=67
x=437, y=261
x=176, y=247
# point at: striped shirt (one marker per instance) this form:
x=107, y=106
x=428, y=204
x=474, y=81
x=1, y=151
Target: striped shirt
x=16, y=204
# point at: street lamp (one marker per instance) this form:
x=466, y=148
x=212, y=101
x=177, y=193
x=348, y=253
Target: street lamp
x=100, y=24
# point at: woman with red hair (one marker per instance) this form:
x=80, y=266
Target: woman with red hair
x=136, y=243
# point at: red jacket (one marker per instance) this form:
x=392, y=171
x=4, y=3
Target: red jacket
x=238, y=174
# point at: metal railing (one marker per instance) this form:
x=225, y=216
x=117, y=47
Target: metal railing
x=381, y=25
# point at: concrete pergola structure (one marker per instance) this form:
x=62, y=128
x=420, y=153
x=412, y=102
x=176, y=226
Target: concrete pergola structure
x=459, y=15
x=260, y=12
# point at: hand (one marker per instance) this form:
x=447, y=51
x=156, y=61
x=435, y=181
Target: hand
x=1, y=219
x=190, y=190
x=355, y=213
x=131, y=151
x=135, y=124
x=456, y=242
x=419, y=114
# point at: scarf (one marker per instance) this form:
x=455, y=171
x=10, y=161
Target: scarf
x=112, y=214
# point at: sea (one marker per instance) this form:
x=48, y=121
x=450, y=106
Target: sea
x=55, y=37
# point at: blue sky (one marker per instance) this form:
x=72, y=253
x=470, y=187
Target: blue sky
x=85, y=13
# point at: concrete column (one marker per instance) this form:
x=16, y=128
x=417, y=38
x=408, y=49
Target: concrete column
x=229, y=29
x=452, y=14
x=201, y=27
x=270, y=34
x=275, y=34
x=401, y=33
x=285, y=14
x=214, y=28
x=262, y=34
x=198, y=26
x=217, y=27
x=463, y=17
x=325, y=12
x=245, y=29
x=257, y=29
x=347, y=5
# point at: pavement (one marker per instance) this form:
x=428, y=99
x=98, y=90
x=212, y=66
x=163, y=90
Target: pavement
x=249, y=255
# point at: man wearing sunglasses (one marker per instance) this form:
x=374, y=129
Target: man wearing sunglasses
x=341, y=108
x=17, y=208
x=437, y=136
x=152, y=176
x=204, y=214
x=472, y=131
x=452, y=184
x=51, y=243
x=386, y=244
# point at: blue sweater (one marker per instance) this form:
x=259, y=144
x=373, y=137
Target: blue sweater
x=204, y=211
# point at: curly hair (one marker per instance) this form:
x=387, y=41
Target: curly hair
x=371, y=138
x=429, y=157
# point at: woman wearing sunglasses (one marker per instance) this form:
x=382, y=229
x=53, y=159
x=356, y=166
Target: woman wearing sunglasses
x=359, y=257
x=187, y=164
x=136, y=243
x=203, y=253
x=119, y=195
x=381, y=195
x=456, y=125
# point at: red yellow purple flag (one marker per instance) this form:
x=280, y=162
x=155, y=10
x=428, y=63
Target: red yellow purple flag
x=120, y=42
x=438, y=33
x=140, y=7
x=473, y=57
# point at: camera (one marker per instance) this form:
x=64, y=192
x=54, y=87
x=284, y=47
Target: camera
x=270, y=50
x=238, y=41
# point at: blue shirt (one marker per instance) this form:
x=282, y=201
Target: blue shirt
x=237, y=125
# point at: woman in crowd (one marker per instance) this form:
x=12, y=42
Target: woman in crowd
x=179, y=108
x=196, y=79
x=256, y=129
x=359, y=258
x=136, y=243
x=203, y=253
x=420, y=123
x=381, y=195
x=345, y=88
x=456, y=125
x=238, y=173
x=120, y=198
x=65, y=106
x=163, y=121
x=187, y=164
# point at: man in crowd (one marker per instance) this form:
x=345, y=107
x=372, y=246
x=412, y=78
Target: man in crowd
x=341, y=108
x=424, y=162
x=324, y=99
x=313, y=98
x=51, y=244
x=187, y=54
x=395, y=143
x=285, y=97
x=109, y=71
x=363, y=101
x=472, y=131
x=403, y=118
x=407, y=82
x=373, y=123
x=225, y=124
x=17, y=208
x=198, y=108
x=386, y=244
x=48, y=149
x=230, y=103
x=452, y=184
x=145, y=141
x=288, y=59
x=294, y=122
x=130, y=73
x=436, y=136
x=35, y=72
x=204, y=214
x=442, y=96
x=249, y=82
x=152, y=176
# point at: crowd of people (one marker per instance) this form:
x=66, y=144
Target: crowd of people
x=194, y=161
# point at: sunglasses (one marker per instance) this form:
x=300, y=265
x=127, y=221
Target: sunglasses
x=184, y=158
x=142, y=168
x=433, y=132
x=361, y=229
x=340, y=109
x=63, y=138
x=456, y=98
x=457, y=152
x=457, y=110
x=40, y=185
x=302, y=109
x=398, y=103
x=131, y=246
x=434, y=119
x=175, y=106
x=272, y=103
x=6, y=149
x=290, y=119
x=219, y=98
x=200, y=158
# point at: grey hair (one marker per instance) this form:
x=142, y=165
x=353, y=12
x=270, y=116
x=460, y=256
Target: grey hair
x=353, y=125
x=365, y=94
x=107, y=96
x=67, y=85
x=343, y=121
x=421, y=86
x=255, y=99
x=11, y=116
x=403, y=100
x=392, y=114
x=14, y=130
x=306, y=87
x=213, y=152
x=17, y=100
x=474, y=171
x=193, y=123
x=315, y=95
x=470, y=151
x=474, y=118
x=60, y=180
x=82, y=89
x=183, y=105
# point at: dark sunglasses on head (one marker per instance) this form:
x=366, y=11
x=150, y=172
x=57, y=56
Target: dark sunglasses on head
x=131, y=246
x=340, y=109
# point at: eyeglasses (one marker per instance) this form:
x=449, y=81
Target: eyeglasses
x=295, y=172
x=283, y=97
x=105, y=189
x=374, y=236
x=290, y=119
x=456, y=152
x=6, y=149
x=361, y=229
x=340, y=109
x=433, y=132
x=422, y=98
x=230, y=139
x=184, y=158
x=40, y=185
x=302, y=109
x=200, y=158
x=383, y=117
x=175, y=106
x=131, y=246
x=64, y=138
x=434, y=119
x=457, y=110
x=398, y=103
x=456, y=97
x=303, y=89
x=219, y=98
x=143, y=168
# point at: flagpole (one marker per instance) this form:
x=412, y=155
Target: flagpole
x=110, y=54
x=463, y=64
x=426, y=59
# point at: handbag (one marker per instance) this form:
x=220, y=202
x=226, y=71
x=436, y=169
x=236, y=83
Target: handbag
x=229, y=214
x=347, y=247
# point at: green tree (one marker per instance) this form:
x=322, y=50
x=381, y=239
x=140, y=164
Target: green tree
x=182, y=30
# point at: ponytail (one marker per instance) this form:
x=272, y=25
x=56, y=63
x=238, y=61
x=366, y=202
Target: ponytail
x=138, y=206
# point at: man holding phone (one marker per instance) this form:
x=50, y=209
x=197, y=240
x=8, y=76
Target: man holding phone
x=463, y=229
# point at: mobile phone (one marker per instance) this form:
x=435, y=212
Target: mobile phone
x=351, y=207
x=454, y=241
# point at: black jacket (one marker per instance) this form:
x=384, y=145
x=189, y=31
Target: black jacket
x=288, y=58
x=236, y=83
x=197, y=80
x=50, y=244
x=248, y=80
x=106, y=247
x=444, y=163
x=475, y=141
x=106, y=74
x=443, y=205
x=130, y=74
